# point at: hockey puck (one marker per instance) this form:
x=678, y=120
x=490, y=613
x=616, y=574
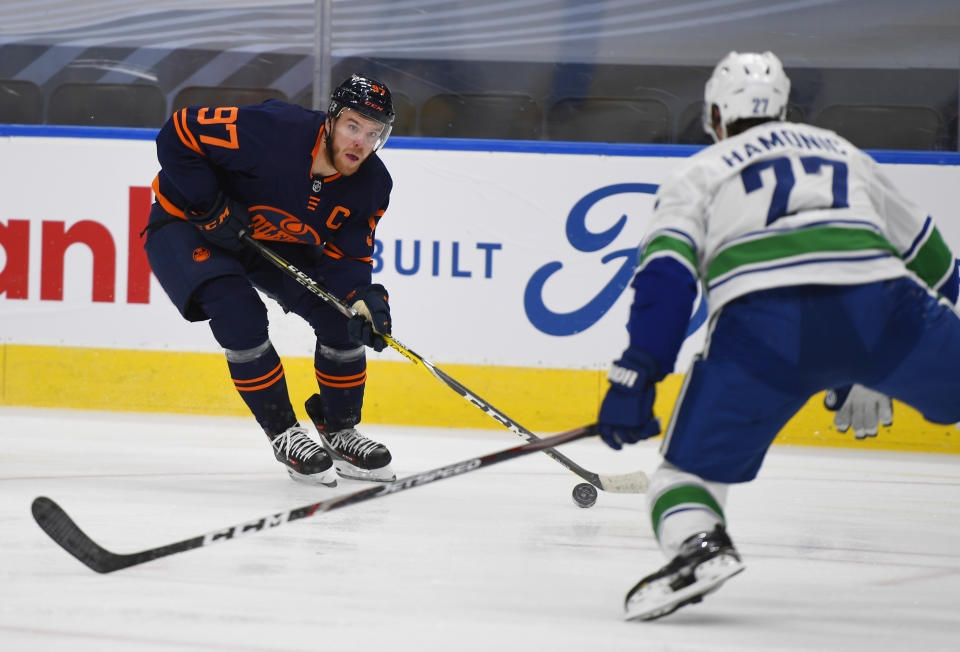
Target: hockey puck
x=585, y=495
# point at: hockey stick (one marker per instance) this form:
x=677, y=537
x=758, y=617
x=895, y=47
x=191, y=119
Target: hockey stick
x=634, y=482
x=53, y=520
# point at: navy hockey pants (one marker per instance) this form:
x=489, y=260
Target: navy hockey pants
x=206, y=282
x=770, y=351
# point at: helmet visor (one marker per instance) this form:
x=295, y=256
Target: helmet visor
x=352, y=125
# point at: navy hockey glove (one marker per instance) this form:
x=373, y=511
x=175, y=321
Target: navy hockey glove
x=222, y=223
x=626, y=415
x=372, y=304
x=860, y=407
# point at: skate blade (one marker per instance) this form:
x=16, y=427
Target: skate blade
x=351, y=472
x=326, y=479
x=710, y=576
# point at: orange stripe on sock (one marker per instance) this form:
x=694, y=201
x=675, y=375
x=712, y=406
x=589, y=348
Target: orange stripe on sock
x=330, y=377
x=342, y=381
x=264, y=385
x=279, y=368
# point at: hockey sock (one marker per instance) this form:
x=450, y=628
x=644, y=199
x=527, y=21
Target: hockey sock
x=238, y=320
x=258, y=376
x=342, y=376
x=681, y=505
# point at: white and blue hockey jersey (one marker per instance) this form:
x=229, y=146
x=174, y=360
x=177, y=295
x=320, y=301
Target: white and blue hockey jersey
x=782, y=204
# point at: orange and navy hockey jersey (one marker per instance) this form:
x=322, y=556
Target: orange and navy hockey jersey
x=262, y=156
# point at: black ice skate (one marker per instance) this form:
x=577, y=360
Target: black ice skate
x=354, y=456
x=306, y=461
x=706, y=560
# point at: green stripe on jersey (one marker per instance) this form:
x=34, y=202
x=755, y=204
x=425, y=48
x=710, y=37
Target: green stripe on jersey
x=665, y=242
x=813, y=240
x=933, y=260
x=691, y=495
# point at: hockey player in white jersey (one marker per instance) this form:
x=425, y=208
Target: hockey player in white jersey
x=819, y=275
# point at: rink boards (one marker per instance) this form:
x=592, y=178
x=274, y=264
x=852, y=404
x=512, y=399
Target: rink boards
x=507, y=264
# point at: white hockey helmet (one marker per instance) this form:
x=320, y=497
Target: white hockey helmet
x=743, y=86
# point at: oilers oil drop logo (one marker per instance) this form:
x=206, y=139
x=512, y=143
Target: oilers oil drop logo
x=201, y=254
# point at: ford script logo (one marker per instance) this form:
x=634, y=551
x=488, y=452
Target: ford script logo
x=584, y=240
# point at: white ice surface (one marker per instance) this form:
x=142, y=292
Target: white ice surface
x=845, y=550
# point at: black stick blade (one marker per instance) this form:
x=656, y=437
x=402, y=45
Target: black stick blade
x=60, y=527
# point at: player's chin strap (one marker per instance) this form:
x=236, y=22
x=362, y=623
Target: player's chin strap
x=635, y=482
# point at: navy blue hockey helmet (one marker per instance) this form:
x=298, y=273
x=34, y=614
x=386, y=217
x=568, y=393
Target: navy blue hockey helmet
x=369, y=98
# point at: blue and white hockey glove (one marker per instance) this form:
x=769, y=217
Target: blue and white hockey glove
x=372, y=304
x=626, y=415
x=222, y=223
x=860, y=407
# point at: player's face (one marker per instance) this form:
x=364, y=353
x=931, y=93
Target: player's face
x=353, y=140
